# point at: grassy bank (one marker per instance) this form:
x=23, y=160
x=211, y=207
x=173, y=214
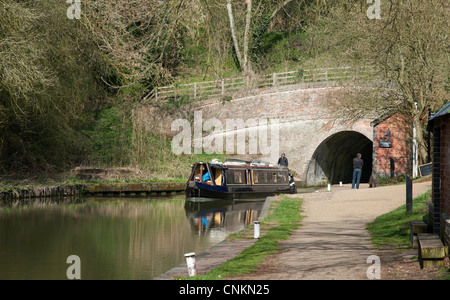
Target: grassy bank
x=284, y=217
x=6, y=185
x=393, y=228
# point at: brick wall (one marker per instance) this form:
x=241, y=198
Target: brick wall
x=441, y=176
x=397, y=158
x=436, y=183
x=447, y=231
x=445, y=178
x=445, y=164
x=304, y=115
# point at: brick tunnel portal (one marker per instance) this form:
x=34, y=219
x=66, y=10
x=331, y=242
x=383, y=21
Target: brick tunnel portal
x=332, y=161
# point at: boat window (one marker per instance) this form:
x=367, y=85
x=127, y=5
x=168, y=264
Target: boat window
x=269, y=177
x=259, y=176
x=282, y=177
x=196, y=175
x=235, y=176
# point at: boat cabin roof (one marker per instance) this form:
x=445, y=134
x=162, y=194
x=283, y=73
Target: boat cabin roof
x=236, y=163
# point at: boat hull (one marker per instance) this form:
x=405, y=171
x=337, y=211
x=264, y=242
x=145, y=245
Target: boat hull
x=234, y=192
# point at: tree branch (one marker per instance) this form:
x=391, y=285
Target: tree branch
x=275, y=12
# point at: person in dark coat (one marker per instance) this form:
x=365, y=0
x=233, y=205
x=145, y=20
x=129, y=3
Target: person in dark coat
x=283, y=161
x=357, y=170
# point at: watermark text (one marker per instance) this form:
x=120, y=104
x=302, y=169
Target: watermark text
x=74, y=10
x=374, y=271
x=235, y=136
x=74, y=270
x=374, y=11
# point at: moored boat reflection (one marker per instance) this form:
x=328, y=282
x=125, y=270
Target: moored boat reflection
x=207, y=215
x=115, y=238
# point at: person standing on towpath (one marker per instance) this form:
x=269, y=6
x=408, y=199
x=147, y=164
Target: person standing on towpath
x=357, y=171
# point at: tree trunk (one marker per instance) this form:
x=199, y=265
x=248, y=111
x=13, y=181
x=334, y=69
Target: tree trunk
x=421, y=142
x=233, y=33
x=243, y=59
x=247, y=67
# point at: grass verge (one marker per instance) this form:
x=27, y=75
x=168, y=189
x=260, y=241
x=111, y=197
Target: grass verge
x=393, y=228
x=284, y=217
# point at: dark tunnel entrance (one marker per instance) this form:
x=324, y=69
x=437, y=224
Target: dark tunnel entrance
x=333, y=159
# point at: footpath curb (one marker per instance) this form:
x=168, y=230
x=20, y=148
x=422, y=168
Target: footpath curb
x=218, y=254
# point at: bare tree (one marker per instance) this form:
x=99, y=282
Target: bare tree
x=143, y=38
x=272, y=9
x=409, y=46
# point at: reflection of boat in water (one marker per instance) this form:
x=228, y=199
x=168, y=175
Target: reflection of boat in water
x=205, y=214
x=238, y=179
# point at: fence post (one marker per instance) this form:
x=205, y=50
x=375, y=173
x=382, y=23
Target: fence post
x=300, y=75
x=195, y=90
x=190, y=261
x=257, y=232
x=254, y=81
x=409, y=202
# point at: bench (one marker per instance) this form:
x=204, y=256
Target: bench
x=431, y=250
x=416, y=227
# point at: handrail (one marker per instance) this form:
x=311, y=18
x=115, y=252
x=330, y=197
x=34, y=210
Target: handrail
x=226, y=87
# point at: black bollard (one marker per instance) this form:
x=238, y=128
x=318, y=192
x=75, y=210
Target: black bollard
x=409, y=203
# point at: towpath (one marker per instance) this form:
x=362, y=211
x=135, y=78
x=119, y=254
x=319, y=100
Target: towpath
x=333, y=242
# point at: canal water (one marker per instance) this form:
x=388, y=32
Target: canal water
x=114, y=238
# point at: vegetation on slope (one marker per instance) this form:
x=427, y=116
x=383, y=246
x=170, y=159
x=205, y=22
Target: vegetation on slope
x=68, y=86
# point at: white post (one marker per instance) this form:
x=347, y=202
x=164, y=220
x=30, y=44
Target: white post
x=329, y=187
x=415, y=154
x=340, y=183
x=415, y=149
x=190, y=261
x=257, y=230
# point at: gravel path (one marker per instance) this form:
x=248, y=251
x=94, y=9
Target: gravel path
x=333, y=243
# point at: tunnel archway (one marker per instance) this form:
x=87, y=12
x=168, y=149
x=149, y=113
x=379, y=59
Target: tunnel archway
x=332, y=161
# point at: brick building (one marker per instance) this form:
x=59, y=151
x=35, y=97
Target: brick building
x=439, y=126
x=391, y=146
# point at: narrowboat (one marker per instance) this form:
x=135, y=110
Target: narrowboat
x=238, y=179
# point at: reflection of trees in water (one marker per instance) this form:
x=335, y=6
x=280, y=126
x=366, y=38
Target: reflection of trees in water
x=114, y=238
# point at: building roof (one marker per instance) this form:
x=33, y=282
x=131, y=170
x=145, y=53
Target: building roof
x=442, y=112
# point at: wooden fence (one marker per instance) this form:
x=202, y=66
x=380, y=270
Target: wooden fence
x=227, y=87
